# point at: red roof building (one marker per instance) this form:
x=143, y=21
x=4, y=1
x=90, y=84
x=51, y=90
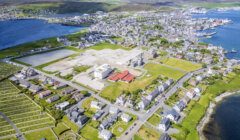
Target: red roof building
x=124, y=76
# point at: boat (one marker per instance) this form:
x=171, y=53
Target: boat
x=233, y=51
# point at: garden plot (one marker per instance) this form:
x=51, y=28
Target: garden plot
x=23, y=112
x=43, y=58
x=7, y=69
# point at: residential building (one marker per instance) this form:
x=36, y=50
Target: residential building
x=97, y=105
x=53, y=98
x=113, y=110
x=24, y=83
x=144, y=103
x=35, y=88
x=44, y=94
x=165, y=136
x=98, y=115
x=191, y=94
x=78, y=96
x=125, y=117
x=179, y=106
x=62, y=105
x=173, y=115
x=164, y=124
x=105, y=134
x=58, y=85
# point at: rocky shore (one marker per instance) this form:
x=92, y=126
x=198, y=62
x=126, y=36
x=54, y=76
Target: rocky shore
x=205, y=120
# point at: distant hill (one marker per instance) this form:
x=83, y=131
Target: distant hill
x=90, y=6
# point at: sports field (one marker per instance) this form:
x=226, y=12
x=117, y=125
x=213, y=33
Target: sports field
x=21, y=110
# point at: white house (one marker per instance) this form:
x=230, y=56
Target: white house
x=164, y=124
x=169, y=82
x=179, y=106
x=113, y=110
x=191, y=94
x=62, y=105
x=173, y=115
x=197, y=90
x=102, y=71
x=105, y=134
x=97, y=105
x=125, y=117
x=144, y=103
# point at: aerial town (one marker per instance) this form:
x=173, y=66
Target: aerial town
x=127, y=76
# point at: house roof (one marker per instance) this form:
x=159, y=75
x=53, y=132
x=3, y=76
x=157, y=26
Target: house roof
x=165, y=136
x=165, y=121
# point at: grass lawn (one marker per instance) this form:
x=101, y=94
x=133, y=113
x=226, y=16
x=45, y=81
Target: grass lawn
x=47, y=133
x=136, y=137
x=11, y=138
x=106, y=45
x=89, y=132
x=157, y=69
x=61, y=127
x=87, y=103
x=188, y=126
x=181, y=64
x=7, y=70
x=154, y=70
x=70, y=124
x=147, y=133
x=120, y=126
x=172, y=100
x=154, y=119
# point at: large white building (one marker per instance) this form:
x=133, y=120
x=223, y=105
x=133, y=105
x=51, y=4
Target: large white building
x=102, y=71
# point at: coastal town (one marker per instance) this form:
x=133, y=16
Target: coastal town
x=126, y=76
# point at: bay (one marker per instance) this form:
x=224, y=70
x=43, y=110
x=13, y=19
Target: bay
x=228, y=35
x=16, y=32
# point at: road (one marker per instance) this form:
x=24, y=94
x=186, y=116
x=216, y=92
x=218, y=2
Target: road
x=80, y=88
x=144, y=118
x=19, y=133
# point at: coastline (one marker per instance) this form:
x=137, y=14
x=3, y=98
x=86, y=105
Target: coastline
x=211, y=108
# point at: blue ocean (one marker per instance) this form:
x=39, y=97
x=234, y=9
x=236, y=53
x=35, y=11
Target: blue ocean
x=15, y=32
x=227, y=36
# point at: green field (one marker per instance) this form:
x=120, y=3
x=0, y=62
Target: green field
x=7, y=70
x=60, y=128
x=106, y=45
x=154, y=119
x=136, y=137
x=153, y=71
x=147, y=133
x=70, y=124
x=188, y=126
x=89, y=132
x=181, y=64
x=25, y=114
x=38, y=135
